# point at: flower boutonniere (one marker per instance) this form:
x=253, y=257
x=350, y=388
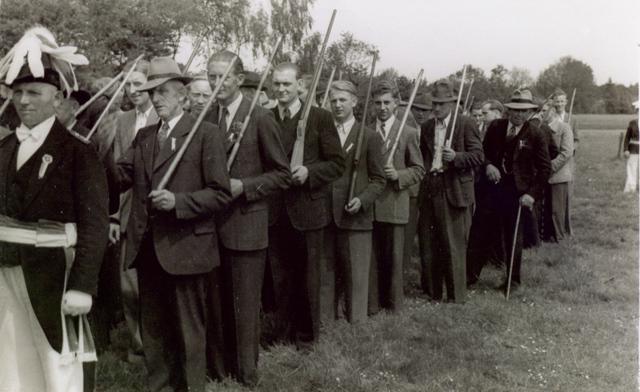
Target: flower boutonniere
x=522, y=144
x=46, y=161
x=234, y=131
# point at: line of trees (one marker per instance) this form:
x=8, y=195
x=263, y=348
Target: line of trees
x=112, y=32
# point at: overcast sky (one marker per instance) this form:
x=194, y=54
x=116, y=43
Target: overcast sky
x=441, y=36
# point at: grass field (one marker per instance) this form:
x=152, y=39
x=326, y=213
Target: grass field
x=571, y=327
x=604, y=121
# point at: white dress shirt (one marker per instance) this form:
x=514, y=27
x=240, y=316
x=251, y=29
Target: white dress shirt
x=141, y=119
x=232, y=109
x=172, y=123
x=32, y=139
x=344, y=129
x=438, y=142
x=387, y=127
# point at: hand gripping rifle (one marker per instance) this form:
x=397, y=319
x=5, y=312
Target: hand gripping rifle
x=360, y=137
x=405, y=116
x=254, y=102
x=176, y=159
x=297, y=156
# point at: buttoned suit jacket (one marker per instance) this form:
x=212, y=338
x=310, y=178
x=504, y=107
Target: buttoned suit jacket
x=393, y=204
x=562, y=162
x=458, y=174
x=263, y=168
x=531, y=163
x=185, y=239
x=73, y=188
x=125, y=133
x=308, y=206
x=370, y=180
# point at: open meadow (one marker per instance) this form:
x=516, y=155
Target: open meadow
x=572, y=325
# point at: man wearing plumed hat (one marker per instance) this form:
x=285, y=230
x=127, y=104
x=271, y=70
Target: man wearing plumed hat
x=54, y=190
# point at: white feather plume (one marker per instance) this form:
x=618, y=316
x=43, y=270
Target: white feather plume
x=34, y=43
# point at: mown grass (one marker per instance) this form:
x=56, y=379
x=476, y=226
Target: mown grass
x=604, y=121
x=570, y=327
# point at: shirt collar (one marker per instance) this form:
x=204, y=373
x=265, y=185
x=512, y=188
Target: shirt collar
x=518, y=127
x=387, y=124
x=172, y=123
x=444, y=122
x=144, y=114
x=233, y=106
x=294, y=107
x=347, y=125
x=36, y=133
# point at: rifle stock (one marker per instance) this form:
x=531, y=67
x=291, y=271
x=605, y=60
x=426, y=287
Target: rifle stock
x=254, y=102
x=360, y=138
x=405, y=116
x=297, y=156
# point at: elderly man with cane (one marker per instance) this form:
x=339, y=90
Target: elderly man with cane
x=518, y=162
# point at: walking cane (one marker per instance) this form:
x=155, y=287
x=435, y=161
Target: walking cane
x=513, y=250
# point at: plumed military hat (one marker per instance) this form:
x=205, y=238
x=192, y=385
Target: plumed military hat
x=37, y=57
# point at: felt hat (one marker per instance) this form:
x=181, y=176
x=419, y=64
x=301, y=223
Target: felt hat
x=423, y=102
x=161, y=70
x=443, y=92
x=521, y=99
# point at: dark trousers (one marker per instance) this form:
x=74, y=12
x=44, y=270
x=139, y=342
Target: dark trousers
x=352, y=252
x=296, y=261
x=385, y=275
x=560, y=209
x=410, y=231
x=509, y=200
x=484, y=235
x=443, y=233
x=173, y=316
x=242, y=276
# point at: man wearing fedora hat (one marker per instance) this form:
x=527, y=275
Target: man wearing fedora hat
x=446, y=195
x=391, y=210
x=422, y=108
x=517, y=159
x=172, y=236
x=260, y=170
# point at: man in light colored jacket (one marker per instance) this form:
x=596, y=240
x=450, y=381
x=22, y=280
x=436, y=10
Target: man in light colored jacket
x=561, y=173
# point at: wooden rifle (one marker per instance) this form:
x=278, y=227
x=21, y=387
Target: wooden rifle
x=573, y=97
x=455, y=110
x=326, y=91
x=297, y=156
x=254, y=102
x=405, y=116
x=360, y=136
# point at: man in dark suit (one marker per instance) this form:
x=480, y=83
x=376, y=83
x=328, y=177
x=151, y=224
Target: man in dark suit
x=299, y=217
x=351, y=227
x=172, y=237
x=47, y=175
x=518, y=161
x=259, y=170
x=447, y=194
x=631, y=144
x=391, y=210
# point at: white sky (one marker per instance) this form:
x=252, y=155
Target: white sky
x=441, y=36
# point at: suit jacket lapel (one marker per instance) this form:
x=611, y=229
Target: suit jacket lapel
x=53, y=149
x=178, y=133
x=521, y=136
x=349, y=147
x=7, y=146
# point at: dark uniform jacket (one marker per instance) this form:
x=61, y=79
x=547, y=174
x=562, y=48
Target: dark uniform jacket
x=370, y=180
x=631, y=135
x=263, y=167
x=72, y=189
x=529, y=159
x=309, y=205
x=458, y=174
x=185, y=239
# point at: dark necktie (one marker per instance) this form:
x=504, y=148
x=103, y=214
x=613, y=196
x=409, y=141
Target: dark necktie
x=286, y=114
x=163, y=134
x=223, y=119
x=512, y=133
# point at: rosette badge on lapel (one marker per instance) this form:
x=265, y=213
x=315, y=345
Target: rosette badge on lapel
x=233, y=133
x=46, y=161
